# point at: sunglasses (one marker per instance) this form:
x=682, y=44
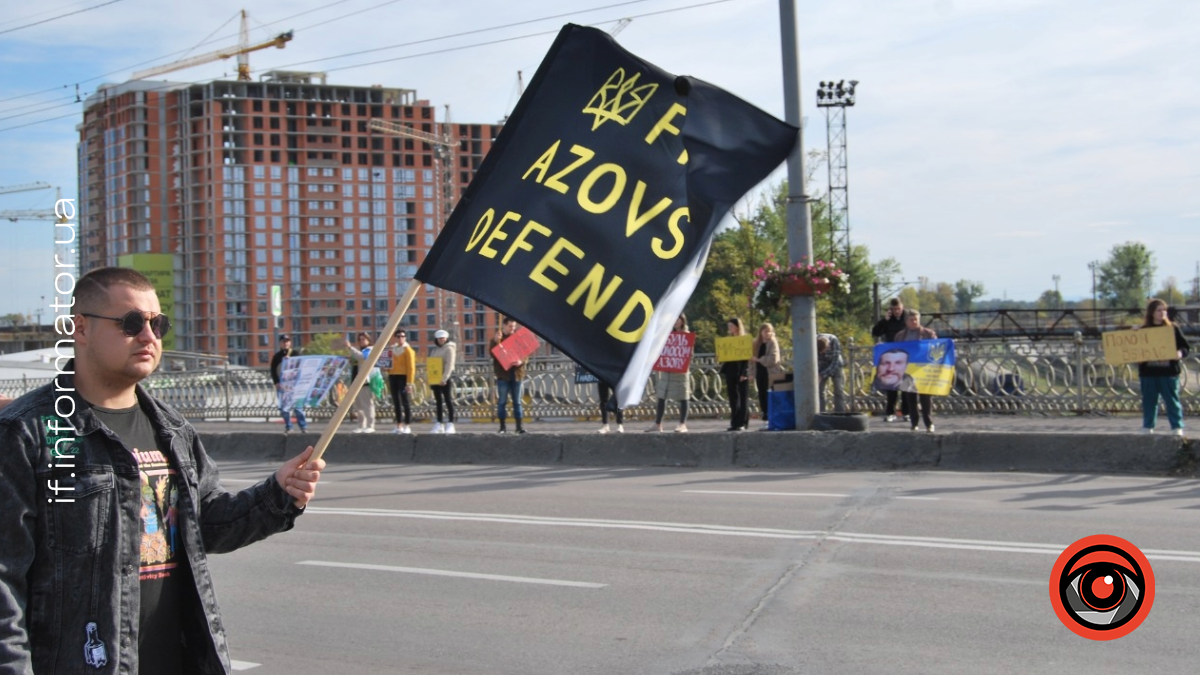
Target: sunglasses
x=134, y=322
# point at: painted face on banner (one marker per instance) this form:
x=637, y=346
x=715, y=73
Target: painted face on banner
x=891, y=369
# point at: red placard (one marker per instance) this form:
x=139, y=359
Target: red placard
x=676, y=355
x=516, y=347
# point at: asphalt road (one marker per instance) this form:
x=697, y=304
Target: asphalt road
x=473, y=570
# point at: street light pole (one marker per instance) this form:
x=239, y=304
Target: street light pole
x=799, y=228
x=1057, y=295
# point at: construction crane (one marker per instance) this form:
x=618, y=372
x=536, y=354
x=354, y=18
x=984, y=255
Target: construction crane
x=14, y=215
x=443, y=147
x=241, y=51
x=6, y=189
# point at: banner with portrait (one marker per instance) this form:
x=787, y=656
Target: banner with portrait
x=305, y=380
x=921, y=366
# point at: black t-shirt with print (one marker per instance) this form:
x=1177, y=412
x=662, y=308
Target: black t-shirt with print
x=164, y=572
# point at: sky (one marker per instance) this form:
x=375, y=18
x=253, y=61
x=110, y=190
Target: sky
x=999, y=141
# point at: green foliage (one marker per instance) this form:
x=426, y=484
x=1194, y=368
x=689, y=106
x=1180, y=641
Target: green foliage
x=333, y=344
x=1051, y=299
x=966, y=292
x=726, y=287
x=1125, y=278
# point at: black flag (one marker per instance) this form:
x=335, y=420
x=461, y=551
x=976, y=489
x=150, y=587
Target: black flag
x=590, y=219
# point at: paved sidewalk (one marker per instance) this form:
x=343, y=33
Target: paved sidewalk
x=1092, y=424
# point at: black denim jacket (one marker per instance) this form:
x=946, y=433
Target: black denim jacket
x=69, y=589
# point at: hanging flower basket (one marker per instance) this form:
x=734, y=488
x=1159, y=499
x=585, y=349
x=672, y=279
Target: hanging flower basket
x=807, y=287
x=774, y=283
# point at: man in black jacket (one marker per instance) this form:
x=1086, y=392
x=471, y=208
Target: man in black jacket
x=885, y=329
x=285, y=350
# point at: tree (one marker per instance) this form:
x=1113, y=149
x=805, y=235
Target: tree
x=965, y=293
x=726, y=287
x=1126, y=277
x=325, y=343
x=1051, y=299
x=1170, y=292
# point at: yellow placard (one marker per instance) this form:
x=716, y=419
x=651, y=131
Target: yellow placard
x=433, y=369
x=735, y=348
x=1135, y=346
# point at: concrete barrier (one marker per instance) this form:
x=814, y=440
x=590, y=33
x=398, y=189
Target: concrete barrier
x=808, y=450
x=691, y=450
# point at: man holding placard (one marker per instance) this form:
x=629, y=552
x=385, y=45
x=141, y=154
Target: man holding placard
x=509, y=350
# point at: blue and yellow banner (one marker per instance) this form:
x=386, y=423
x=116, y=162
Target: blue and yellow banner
x=922, y=367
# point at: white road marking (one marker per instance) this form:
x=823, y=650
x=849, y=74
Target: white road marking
x=725, y=530
x=242, y=665
x=448, y=573
x=831, y=495
x=767, y=494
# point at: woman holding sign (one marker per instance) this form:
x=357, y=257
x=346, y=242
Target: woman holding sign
x=443, y=390
x=674, y=386
x=1160, y=379
x=912, y=332
x=737, y=382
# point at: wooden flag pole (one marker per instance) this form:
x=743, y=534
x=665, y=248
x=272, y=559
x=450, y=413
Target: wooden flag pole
x=364, y=371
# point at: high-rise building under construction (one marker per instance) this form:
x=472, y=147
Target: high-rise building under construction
x=333, y=193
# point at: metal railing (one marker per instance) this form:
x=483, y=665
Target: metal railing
x=1067, y=376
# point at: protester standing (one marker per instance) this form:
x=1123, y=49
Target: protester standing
x=364, y=403
x=912, y=332
x=608, y=403
x=767, y=362
x=1160, y=379
x=443, y=392
x=400, y=378
x=112, y=506
x=884, y=331
x=737, y=382
x=673, y=387
x=508, y=380
x=285, y=350
x=829, y=367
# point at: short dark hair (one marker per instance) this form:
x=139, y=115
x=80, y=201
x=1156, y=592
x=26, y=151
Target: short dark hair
x=507, y=319
x=92, y=288
x=895, y=302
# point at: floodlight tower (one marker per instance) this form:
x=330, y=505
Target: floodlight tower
x=835, y=97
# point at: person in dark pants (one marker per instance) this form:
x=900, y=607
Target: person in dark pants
x=915, y=331
x=884, y=331
x=285, y=350
x=400, y=378
x=606, y=396
x=737, y=382
x=767, y=363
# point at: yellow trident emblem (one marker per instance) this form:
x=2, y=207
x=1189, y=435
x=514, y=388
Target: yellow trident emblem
x=610, y=102
x=937, y=352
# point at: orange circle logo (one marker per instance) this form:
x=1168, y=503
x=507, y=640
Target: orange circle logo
x=1102, y=587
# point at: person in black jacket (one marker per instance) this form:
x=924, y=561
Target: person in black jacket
x=737, y=383
x=285, y=350
x=885, y=329
x=1160, y=379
